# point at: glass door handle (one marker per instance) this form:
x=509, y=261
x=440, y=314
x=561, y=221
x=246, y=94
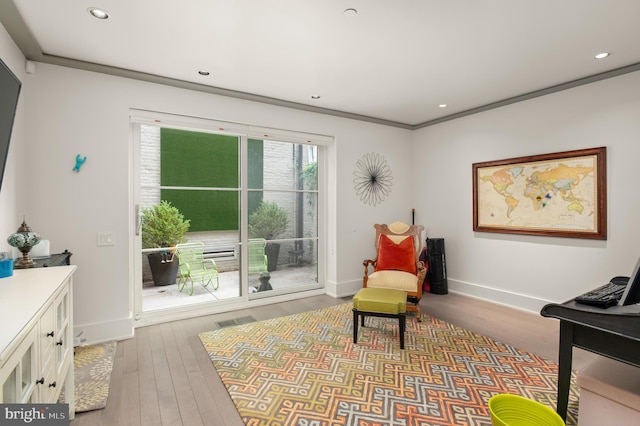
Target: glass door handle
x=138, y=220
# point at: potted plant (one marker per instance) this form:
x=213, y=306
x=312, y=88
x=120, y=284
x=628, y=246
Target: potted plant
x=163, y=226
x=268, y=221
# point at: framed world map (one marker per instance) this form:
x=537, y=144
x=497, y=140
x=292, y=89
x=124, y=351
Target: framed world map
x=561, y=194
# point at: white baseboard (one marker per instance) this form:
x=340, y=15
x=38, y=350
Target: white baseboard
x=343, y=289
x=160, y=317
x=89, y=334
x=86, y=334
x=513, y=300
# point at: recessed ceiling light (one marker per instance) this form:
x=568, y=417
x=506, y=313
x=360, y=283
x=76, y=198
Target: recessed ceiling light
x=602, y=55
x=315, y=96
x=98, y=13
x=442, y=105
x=350, y=12
x=203, y=72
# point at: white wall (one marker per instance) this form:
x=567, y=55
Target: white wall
x=72, y=112
x=528, y=271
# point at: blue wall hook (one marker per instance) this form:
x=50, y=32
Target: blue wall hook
x=79, y=162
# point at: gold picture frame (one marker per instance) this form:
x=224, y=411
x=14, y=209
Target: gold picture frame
x=562, y=194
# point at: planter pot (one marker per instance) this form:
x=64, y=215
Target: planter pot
x=164, y=272
x=272, y=250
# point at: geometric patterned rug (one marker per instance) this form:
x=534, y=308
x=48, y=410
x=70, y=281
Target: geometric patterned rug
x=304, y=369
x=92, y=368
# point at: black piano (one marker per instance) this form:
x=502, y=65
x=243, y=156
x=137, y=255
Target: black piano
x=613, y=332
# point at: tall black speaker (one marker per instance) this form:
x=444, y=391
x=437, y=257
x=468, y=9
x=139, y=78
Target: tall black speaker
x=437, y=266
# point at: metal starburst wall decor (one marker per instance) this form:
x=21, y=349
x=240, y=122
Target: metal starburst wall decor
x=372, y=179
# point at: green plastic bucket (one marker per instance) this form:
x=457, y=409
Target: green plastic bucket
x=514, y=410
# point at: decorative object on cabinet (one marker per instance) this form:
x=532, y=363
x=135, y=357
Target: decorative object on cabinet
x=372, y=179
x=6, y=265
x=24, y=239
x=563, y=194
x=58, y=259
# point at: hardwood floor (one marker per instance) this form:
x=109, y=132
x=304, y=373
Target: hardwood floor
x=163, y=376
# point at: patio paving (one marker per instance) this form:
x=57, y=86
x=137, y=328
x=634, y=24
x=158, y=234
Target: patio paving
x=163, y=297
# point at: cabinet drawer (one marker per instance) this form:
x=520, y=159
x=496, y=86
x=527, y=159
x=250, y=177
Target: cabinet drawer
x=50, y=388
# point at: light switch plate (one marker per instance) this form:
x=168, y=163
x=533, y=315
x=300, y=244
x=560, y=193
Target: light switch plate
x=105, y=239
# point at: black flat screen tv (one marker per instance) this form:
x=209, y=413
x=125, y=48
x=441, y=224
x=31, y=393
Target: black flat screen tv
x=9, y=93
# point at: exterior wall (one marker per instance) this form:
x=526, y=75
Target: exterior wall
x=150, y=165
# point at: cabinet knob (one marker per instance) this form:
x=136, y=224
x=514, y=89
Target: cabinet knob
x=52, y=385
x=59, y=342
x=40, y=381
x=50, y=334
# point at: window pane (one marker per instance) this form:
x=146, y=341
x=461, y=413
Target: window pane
x=284, y=166
x=198, y=159
x=9, y=390
x=207, y=210
x=297, y=266
x=284, y=215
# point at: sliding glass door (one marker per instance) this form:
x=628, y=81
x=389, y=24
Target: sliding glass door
x=251, y=198
x=283, y=212
x=197, y=174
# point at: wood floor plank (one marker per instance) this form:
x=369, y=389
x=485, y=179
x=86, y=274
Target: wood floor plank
x=225, y=408
x=195, y=377
x=183, y=391
x=130, y=400
x=129, y=350
x=149, y=406
x=525, y=330
x=167, y=399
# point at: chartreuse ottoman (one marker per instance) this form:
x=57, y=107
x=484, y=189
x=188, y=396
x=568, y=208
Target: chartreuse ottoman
x=380, y=302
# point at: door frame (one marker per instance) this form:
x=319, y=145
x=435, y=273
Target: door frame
x=243, y=132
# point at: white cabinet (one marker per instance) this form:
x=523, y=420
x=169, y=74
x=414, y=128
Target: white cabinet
x=36, y=341
x=18, y=372
x=55, y=344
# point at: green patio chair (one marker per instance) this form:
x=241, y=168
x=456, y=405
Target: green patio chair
x=195, y=268
x=257, y=258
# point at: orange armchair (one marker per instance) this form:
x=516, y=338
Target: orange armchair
x=396, y=265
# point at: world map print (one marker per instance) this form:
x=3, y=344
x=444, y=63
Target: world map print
x=542, y=195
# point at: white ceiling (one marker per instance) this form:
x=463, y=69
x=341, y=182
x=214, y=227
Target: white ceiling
x=392, y=62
